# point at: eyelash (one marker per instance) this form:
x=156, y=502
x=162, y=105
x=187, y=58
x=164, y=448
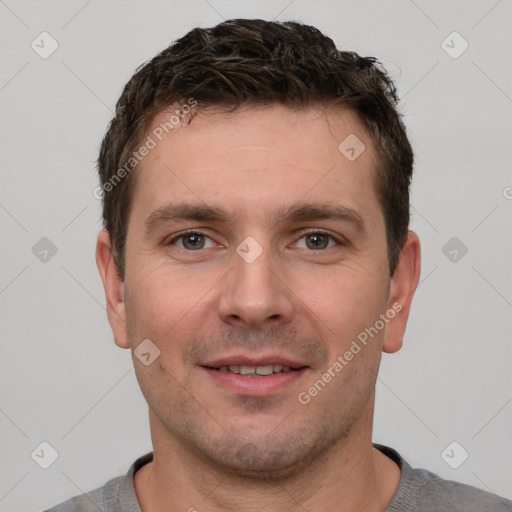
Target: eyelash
x=305, y=233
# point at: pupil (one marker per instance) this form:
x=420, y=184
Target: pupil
x=318, y=241
x=194, y=241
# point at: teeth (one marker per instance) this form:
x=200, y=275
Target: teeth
x=265, y=370
x=256, y=370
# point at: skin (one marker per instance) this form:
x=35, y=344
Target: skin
x=214, y=449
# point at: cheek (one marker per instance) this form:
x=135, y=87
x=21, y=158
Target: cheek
x=162, y=310
x=167, y=304
x=343, y=303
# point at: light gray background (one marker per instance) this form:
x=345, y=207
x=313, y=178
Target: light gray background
x=62, y=378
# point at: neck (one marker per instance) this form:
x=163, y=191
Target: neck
x=352, y=475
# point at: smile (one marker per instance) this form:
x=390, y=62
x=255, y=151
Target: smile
x=256, y=371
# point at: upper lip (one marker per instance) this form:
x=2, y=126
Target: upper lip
x=243, y=360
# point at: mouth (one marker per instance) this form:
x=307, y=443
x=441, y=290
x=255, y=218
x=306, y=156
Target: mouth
x=256, y=371
x=247, y=376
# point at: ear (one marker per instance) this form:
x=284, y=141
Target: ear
x=114, y=289
x=403, y=285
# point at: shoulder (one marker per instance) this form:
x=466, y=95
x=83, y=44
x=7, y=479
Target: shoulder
x=91, y=501
x=421, y=490
x=96, y=500
x=438, y=494
x=117, y=495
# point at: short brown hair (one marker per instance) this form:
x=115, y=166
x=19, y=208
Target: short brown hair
x=257, y=62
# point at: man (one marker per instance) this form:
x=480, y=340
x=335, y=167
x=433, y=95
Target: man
x=256, y=259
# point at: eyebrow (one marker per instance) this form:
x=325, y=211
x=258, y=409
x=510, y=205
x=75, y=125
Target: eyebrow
x=183, y=211
x=301, y=212
x=320, y=211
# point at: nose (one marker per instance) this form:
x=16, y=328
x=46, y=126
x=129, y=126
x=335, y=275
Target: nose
x=255, y=294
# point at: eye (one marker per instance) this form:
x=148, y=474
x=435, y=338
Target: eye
x=192, y=241
x=318, y=240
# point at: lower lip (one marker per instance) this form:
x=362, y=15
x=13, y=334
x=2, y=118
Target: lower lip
x=255, y=386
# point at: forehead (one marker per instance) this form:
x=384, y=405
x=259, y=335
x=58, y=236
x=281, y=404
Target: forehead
x=253, y=158
x=272, y=127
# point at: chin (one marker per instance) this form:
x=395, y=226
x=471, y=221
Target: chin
x=280, y=458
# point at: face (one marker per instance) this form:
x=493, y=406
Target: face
x=255, y=259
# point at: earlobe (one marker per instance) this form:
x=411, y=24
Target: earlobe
x=401, y=291
x=114, y=289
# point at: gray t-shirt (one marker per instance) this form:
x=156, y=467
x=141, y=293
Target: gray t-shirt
x=419, y=491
